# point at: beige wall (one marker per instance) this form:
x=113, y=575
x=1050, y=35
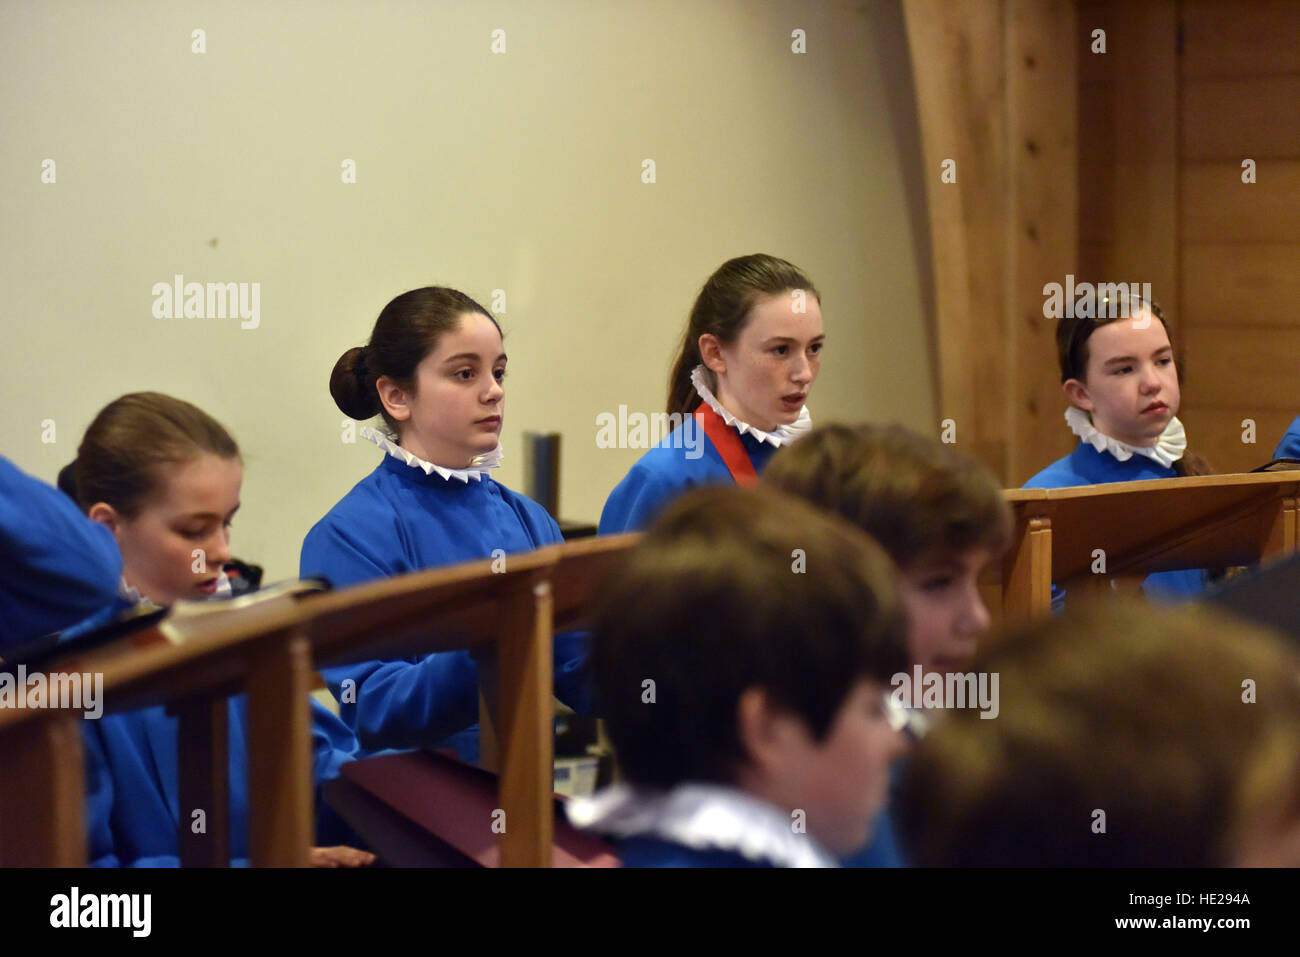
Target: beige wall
x=519, y=171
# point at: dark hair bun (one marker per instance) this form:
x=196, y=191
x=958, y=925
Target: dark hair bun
x=352, y=385
x=67, y=481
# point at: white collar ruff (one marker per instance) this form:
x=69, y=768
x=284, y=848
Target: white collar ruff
x=144, y=603
x=781, y=435
x=702, y=817
x=478, y=467
x=1169, y=447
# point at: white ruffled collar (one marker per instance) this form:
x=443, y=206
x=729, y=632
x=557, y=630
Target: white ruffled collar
x=781, y=435
x=1169, y=447
x=701, y=817
x=478, y=467
x=145, y=604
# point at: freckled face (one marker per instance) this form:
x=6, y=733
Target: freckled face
x=764, y=377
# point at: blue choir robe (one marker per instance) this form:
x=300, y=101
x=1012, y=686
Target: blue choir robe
x=398, y=520
x=1289, y=447
x=1087, y=466
x=57, y=567
x=646, y=851
x=682, y=461
x=882, y=850
x=133, y=783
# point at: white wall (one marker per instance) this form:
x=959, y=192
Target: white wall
x=519, y=171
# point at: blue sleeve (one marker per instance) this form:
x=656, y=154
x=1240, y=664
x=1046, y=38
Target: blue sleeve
x=99, y=800
x=409, y=703
x=57, y=567
x=332, y=742
x=637, y=500
x=414, y=702
x=1289, y=447
x=420, y=701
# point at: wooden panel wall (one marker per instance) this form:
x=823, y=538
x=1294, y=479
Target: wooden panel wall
x=1122, y=166
x=996, y=92
x=1239, y=244
x=1128, y=177
x=1185, y=92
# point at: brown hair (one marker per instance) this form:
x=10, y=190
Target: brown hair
x=1074, y=331
x=120, y=455
x=407, y=330
x=911, y=493
x=722, y=309
x=1118, y=707
x=734, y=588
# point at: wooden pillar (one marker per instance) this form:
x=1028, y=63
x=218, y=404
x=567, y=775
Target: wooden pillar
x=280, y=802
x=1027, y=571
x=996, y=87
x=43, y=793
x=203, y=764
x=1042, y=103
x=524, y=729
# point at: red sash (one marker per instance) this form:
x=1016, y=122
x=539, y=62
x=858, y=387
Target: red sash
x=727, y=441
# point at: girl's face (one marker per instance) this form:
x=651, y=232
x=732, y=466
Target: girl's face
x=458, y=404
x=177, y=543
x=1131, y=385
x=764, y=377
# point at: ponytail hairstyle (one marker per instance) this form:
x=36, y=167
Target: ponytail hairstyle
x=722, y=309
x=406, y=331
x=121, y=456
x=1073, y=332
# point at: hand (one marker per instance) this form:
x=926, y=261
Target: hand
x=340, y=856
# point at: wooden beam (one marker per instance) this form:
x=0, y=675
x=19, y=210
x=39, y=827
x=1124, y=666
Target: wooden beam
x=203, y=765
x=1027, y=571
x=281, y=819
x=524, y=729
x=43, y=794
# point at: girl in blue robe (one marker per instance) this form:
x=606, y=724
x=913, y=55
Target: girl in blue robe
x=163, y=478
x=748, y=360
x=433, y=369
x=1119, y=375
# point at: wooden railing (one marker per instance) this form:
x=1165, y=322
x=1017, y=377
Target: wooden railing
x=270, y=652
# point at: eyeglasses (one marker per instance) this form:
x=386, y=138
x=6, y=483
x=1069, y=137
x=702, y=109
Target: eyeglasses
x=894, y=713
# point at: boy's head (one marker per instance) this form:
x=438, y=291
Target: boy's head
x=748, y=640
x=1127, y=736
x=940, y=515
